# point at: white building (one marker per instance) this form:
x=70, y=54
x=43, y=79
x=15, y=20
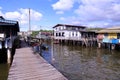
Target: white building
x=68, y=32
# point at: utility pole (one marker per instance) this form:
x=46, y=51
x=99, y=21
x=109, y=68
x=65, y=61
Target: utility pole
x=29, y=21
x=40, y=32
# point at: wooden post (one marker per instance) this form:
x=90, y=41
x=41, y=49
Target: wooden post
x=113, y=46
x=99, y=45
x=8, y=55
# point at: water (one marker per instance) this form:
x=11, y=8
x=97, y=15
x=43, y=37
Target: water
x=80, y=63
x=4, y=68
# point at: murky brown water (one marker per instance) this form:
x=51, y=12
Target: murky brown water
x=80, y=63
x=4, y=68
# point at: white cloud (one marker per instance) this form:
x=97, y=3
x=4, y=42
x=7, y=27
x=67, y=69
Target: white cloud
x=62, y=18
x=22, y=15
x=34, y=15
x=76, y=22
x=13, y=15
x=63, y=5
x=90, y=12
x=1, y=14
x=0, y=7
x=71, y=20
x=100, y=13
x=59, y=12
x=35, y=27
x=95, y=10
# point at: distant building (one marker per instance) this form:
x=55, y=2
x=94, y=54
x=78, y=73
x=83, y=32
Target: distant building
x=109, y=35
x=44, y=35
x=71, y=32
x=63, y=31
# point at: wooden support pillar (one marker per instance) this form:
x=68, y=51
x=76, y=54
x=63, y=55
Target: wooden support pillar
x=69, y=42
x=74, y=42
x=8, y=55
x=113, y=46
x=99, y=45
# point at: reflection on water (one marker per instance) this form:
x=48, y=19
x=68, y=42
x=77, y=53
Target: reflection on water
x=80, y=63
x=4, y=71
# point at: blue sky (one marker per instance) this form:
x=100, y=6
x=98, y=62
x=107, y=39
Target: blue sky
x=48, y=13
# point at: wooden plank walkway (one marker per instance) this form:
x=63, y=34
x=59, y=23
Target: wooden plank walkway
x=29, y=66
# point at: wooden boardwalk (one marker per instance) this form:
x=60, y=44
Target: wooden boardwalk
x=29, y=66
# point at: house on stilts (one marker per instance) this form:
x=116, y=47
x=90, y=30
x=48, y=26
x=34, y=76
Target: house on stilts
x=109, y=38
x=73, y=33
x=8, y=36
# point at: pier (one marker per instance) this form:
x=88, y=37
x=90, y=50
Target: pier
x=28, y=65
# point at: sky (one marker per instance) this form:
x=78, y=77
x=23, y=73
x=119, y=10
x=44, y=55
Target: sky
x=44, y=14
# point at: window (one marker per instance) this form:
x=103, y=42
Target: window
x=64, y=27
x=59, y=34
x=76, y=34
x=63, y=34
x=56, y=34
x=72, y=33
x=118, y=35
x=76, y=28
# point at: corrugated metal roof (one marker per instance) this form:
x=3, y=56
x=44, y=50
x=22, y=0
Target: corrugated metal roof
x=115, y=29
x=109, y=31
x=67, y=25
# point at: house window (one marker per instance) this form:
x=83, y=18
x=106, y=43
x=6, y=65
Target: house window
x=63, y=34
x=72, y=33
x=76, y=28
x=59, y=34
x=61, y=27
x=56, y=34
x=76, y=34
x=64, y=27
x=118, y=35
x=73, y=28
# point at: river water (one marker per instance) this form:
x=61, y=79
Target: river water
x=4, y=68
x=81, y=63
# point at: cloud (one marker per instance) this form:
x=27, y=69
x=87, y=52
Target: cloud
x=22, y=15
x=13, y=15
x=59, y=12
x=63, y=5
x=100, y=13
x=0, y=7
x=95, y=10
x=62, y=18
x=35, y=27
x=1, y=14
x=71, y=20
x=34, y=15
